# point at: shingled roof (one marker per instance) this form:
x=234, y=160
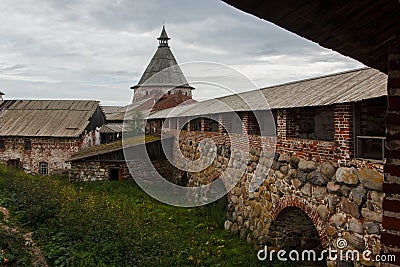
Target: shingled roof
x=45, y=118
x=163, y=67
x=114, y=146
x=350, y=86
x=110, y=111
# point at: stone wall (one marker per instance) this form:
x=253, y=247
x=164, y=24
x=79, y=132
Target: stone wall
x=53, y=151
x=341, y=202
x=95, y=171
x=100, y=170
x=335, y=200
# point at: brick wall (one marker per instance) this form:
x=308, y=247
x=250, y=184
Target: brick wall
x=332, y=141
x=287, y=125
x=343, y=138
x=307, y=149
x=250, y=123
x=391, y=204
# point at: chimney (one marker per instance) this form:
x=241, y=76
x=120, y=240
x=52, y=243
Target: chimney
x=1, y=95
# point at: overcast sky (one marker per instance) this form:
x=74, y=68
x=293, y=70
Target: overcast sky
x=97, y=49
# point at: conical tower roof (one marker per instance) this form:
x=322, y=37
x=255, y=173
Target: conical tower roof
x=163, y=59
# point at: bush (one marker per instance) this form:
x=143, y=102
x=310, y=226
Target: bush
x=117, y=224
x=12, y=250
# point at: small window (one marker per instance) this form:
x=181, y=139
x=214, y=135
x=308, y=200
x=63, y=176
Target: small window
x=267, y=122
x=43, y=168
x=28, y=145
x=198, y=124
x=211, y=124
x=14, y=163
x=2, y=145
x=236, y=123
x=195, y=124
x=172, y=123
x=214, y=126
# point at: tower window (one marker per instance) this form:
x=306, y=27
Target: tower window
x=2, y=145
x=43, y=168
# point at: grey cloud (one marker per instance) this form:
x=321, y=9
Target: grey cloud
x=97, y=49
x=6, y=68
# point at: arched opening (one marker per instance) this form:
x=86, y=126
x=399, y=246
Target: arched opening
x=294, y=230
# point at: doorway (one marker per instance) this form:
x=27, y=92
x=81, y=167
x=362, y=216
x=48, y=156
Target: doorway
x=115, y=174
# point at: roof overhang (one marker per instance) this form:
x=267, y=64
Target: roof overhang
x=359, y=29
x=112, y=147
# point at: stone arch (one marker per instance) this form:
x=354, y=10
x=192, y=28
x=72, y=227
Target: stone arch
x=304, y=206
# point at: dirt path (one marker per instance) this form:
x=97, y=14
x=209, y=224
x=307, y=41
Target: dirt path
x=37, y=257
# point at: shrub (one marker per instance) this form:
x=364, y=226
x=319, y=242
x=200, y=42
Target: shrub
x=117, y=224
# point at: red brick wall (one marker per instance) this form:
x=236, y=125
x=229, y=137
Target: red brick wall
x=224, y=121
x=343, y=139
x=250, y=123
x=307, y=149
x=287, y=125
x=391, y=205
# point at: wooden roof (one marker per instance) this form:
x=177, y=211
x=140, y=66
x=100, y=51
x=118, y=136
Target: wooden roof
x=112, y=147
x=110, y=111
x=344, y=87
x=163, y=70
x=359, y=29
x=45, y=118
x=111, y=128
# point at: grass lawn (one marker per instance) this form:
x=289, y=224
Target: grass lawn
x=113, y=224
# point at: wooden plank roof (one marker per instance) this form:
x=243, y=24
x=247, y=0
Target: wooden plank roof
x=109, y=111
x=344, y=87
x=111, y=128
x=45, y=118
x=112, y=147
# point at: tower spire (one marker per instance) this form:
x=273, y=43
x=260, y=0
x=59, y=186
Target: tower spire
x=163, y=39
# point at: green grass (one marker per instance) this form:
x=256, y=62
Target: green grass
x=116, y=224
